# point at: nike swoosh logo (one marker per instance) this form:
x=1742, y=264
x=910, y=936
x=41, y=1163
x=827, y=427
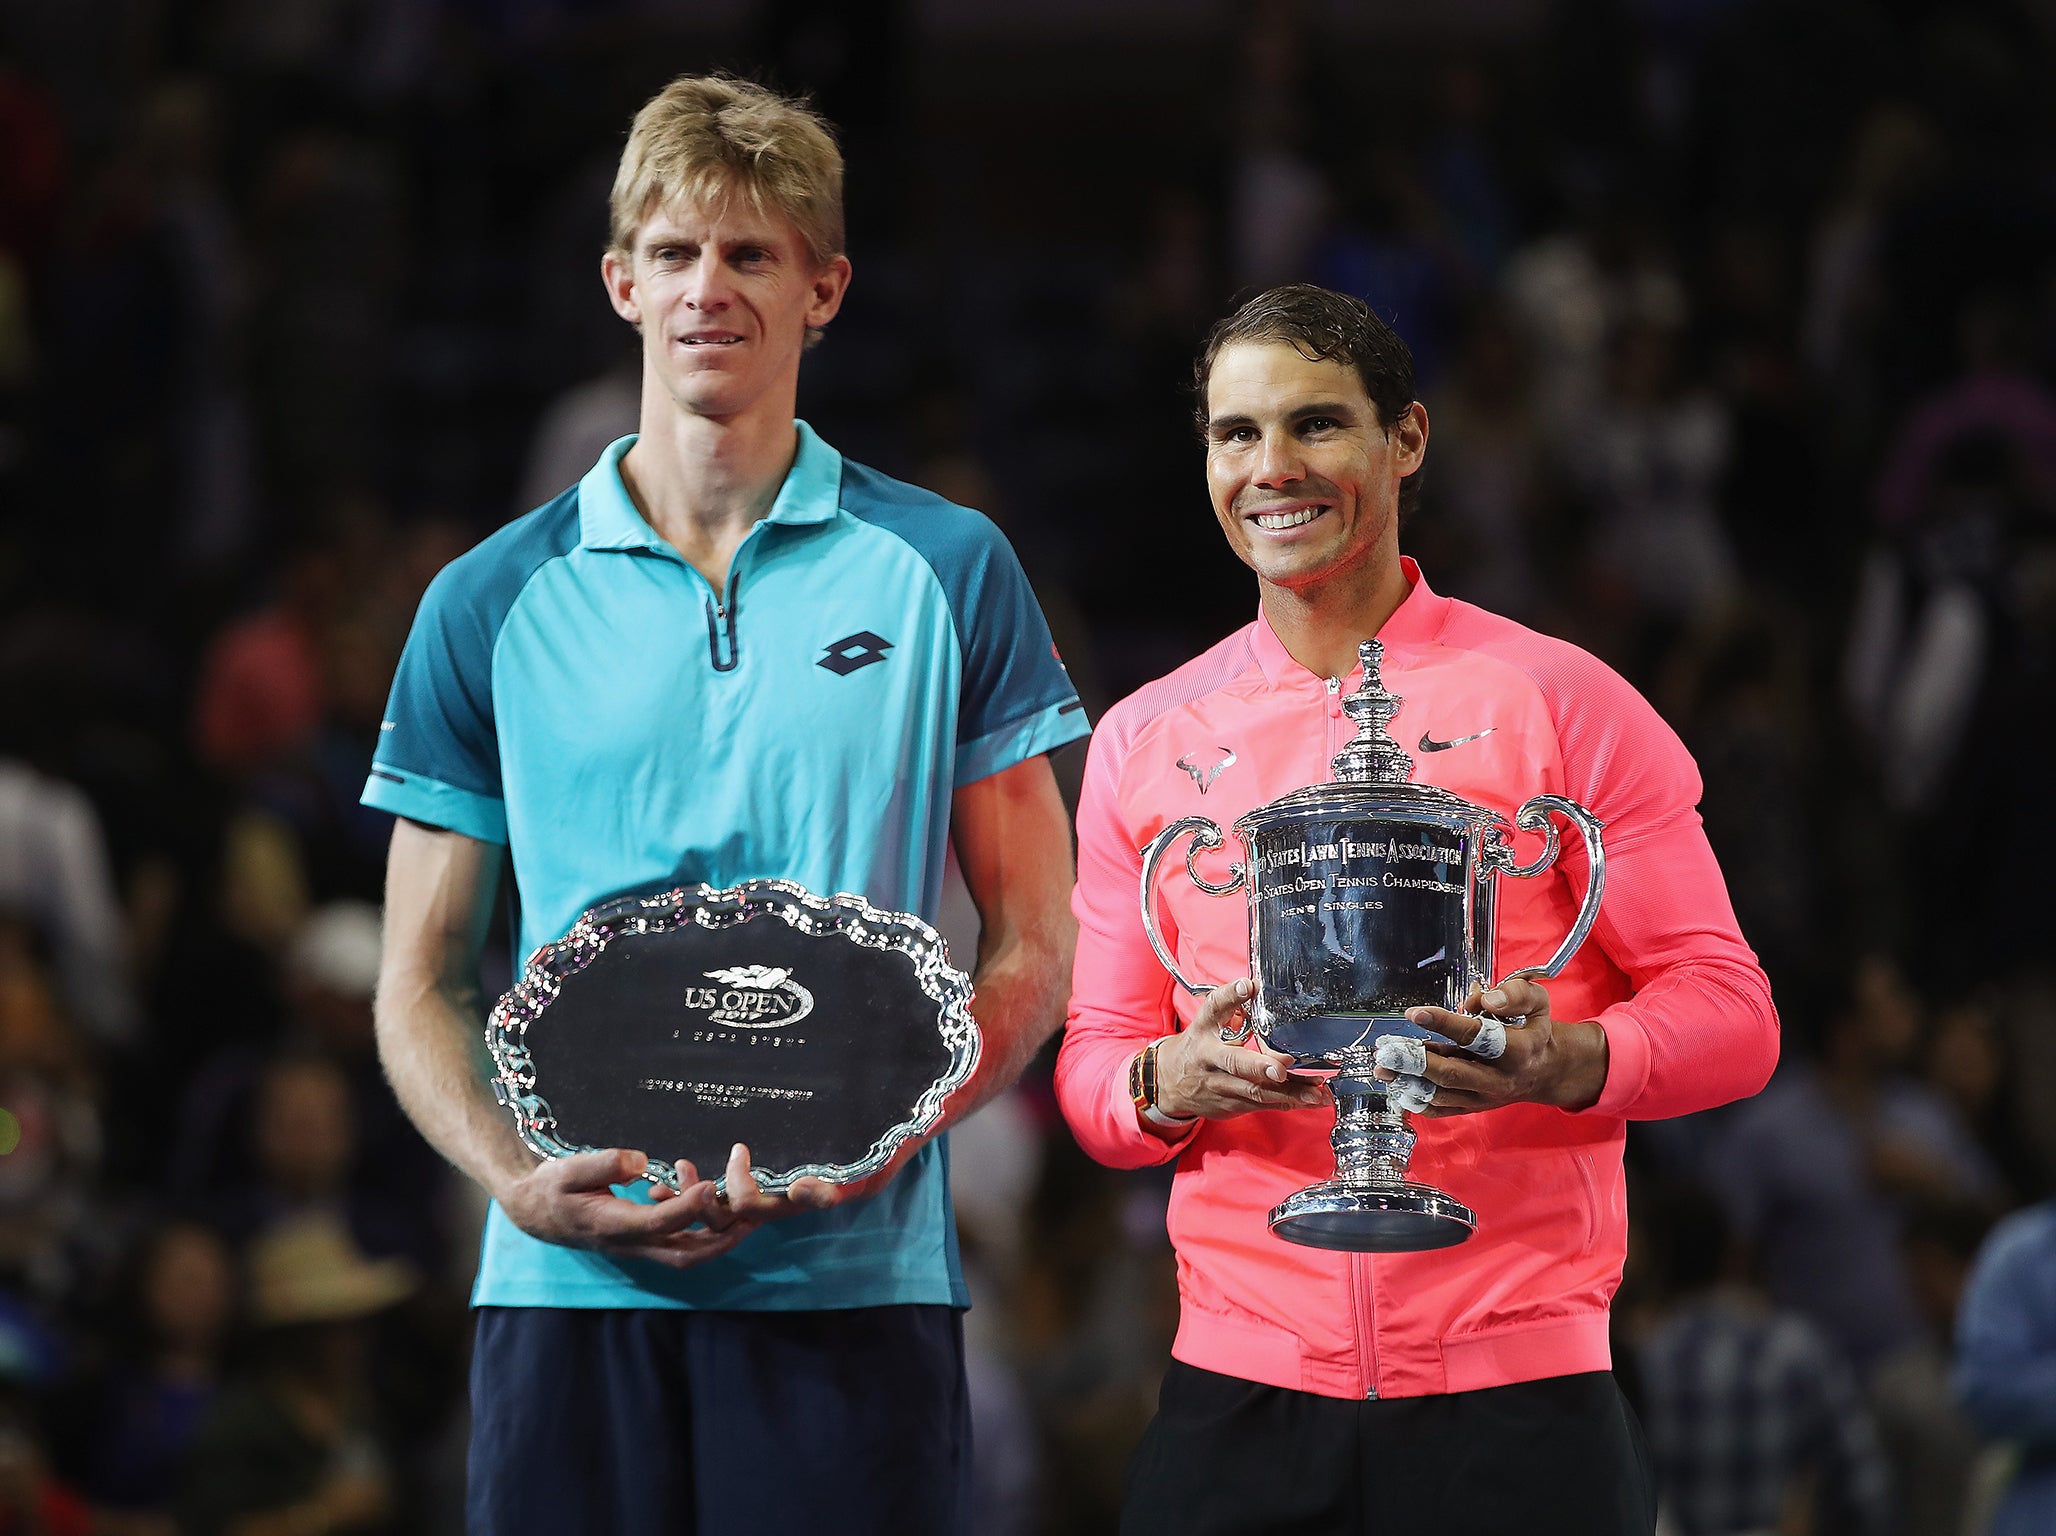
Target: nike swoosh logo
x=1430, y=744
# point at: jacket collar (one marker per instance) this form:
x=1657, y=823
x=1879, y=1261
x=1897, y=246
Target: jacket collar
x=1415, y=622
x=608, y=519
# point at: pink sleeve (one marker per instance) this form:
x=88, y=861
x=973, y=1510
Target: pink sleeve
x=1120, y=994
x=1700, y=1029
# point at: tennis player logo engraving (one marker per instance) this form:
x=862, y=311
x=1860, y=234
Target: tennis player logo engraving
x=752, y=997
x=1205, y=779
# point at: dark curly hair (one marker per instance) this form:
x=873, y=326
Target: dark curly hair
x=1323, y=326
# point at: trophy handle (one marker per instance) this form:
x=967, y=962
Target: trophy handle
x=1534, y=817
x=1207, y=834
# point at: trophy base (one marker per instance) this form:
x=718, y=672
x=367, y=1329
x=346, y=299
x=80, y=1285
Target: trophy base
x=1373, y=1218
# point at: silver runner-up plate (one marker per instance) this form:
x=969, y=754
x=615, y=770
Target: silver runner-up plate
x=821, y=1032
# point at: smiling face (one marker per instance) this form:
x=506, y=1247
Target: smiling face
x=1304, y=480
x=725, y=296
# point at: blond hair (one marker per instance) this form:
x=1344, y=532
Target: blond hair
x=707, y=137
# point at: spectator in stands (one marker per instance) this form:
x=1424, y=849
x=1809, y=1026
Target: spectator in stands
x=1755, y=1419
x=1649, y=456
x=49, y=1121
x=124, y=1431
x=54, y=871
x=303, y=1138
x=1817, y=1170
x=296, y=1450
x=2006, y=1361
x=1931, y=1446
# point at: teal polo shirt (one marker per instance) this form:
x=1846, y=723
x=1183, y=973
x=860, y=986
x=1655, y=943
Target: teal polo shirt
x=573, y=689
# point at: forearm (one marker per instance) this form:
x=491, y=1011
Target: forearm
x=1121, y=996
x=1014, y=845
x=1701, y=1029
x=1702, y=1035
x=1019, y=1004
x=431, y=1043
x=429, y=1015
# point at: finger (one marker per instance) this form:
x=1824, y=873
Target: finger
x=1218, y=1009
x=742, y=1196
x=1454, y=1101
x=1462, y=1028
x=1239, y=1061
x=688, y=1248
x=599, y=1170
x=702, y=1197
x=1409, y=1092
x=1269, y=1076
x=814, y=1194
x=683, y=1176
x=1231, y=1100
x=1401, y=1054
x=611, y=1223
x=1516, y=998
x=1489, y=1043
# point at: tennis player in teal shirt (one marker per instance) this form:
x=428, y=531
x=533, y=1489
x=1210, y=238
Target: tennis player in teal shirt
x=728, y=652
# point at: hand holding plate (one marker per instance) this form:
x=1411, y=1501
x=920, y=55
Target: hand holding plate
x=571, y=1201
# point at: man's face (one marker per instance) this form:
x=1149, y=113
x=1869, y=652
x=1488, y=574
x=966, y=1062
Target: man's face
x=1304, y=480
x=725, y=297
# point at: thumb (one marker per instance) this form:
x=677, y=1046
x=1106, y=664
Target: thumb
x=1515, y=998
x=598, y=1170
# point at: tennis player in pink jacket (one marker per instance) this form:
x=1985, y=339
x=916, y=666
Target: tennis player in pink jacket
x=1467, y=1390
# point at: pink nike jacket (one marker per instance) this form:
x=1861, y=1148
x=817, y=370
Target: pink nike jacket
x=1686, y=1009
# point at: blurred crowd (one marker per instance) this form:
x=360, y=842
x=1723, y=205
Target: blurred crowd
x=1736, y=324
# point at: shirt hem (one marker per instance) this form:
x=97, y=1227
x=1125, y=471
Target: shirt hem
x=808, y=1298
x=1502, y=1357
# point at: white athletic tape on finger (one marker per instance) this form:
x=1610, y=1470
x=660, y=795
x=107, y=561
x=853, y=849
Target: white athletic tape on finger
x=1490, y=1043
x=1409, y=1092
x=1401, y=1053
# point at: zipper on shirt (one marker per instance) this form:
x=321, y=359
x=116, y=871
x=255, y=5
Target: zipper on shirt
x=1335, y=718
x=1365, y=1313
x=720, y=625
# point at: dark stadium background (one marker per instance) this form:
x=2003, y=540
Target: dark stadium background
x=1736, y=322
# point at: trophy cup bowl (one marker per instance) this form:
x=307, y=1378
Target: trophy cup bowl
x=1369, y=896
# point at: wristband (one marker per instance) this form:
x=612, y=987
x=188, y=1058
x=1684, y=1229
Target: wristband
x=1143, y=1087
x=1156, y=1116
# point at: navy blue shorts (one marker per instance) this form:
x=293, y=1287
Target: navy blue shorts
x=661, y=1423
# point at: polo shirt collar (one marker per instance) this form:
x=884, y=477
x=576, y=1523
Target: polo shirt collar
x=608, y=519
x=1415, y=622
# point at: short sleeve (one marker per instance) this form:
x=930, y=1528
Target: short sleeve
x=1017, y=698
x=438, y=759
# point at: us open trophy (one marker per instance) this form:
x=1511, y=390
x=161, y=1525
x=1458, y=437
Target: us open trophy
x=1367, y=897
x=821, y=1031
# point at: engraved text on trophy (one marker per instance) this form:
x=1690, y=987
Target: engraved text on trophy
x=1359, y=917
